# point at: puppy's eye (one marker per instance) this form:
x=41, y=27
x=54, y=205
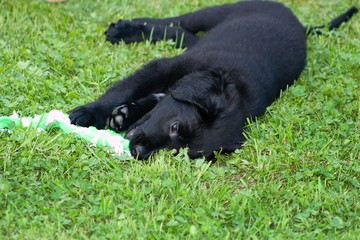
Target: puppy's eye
x=174, y=129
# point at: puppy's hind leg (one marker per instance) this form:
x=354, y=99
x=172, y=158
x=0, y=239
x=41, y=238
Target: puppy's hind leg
x=198, y=21
x=125, y=115
x=133, y=31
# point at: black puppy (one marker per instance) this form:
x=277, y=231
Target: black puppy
x=202, y=98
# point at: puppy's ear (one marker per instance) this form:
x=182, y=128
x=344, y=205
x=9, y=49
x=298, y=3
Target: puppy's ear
x=205, y=90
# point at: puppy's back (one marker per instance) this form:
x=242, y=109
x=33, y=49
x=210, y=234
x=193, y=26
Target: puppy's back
x=263, y=41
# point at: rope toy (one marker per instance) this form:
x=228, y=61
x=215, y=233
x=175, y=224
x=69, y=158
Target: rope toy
x=56, y=119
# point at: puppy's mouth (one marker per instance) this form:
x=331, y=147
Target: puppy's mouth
x=141, y=153
x=137, y=149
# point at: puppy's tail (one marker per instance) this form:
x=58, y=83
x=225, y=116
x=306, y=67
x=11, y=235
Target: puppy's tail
x=334, y=23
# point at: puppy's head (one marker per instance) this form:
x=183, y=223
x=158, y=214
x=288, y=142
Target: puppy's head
x=184, y=118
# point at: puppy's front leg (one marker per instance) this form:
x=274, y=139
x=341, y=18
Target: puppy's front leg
x=154, y=77
x=125, y=115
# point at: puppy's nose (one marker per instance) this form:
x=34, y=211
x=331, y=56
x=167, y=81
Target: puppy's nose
x=137, y=151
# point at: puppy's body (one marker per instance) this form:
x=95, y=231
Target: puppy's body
x=250, y=52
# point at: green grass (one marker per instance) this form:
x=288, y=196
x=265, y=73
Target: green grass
x=296, y=177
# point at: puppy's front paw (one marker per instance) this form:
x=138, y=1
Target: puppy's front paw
x=119, y=118
x=86, y=116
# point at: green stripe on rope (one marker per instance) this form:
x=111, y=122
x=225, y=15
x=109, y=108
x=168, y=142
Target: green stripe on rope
x=58, y=120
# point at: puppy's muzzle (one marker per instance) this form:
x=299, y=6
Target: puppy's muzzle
x=138, y=144
x=138, y=151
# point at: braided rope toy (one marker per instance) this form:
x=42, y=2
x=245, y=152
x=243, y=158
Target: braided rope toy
x=56, y=119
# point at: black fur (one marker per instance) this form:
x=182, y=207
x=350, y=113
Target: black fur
x=251, y=51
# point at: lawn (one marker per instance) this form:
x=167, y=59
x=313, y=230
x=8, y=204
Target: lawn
x=296, y=177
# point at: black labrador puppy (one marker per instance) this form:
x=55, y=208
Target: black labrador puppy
x=201, y=99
